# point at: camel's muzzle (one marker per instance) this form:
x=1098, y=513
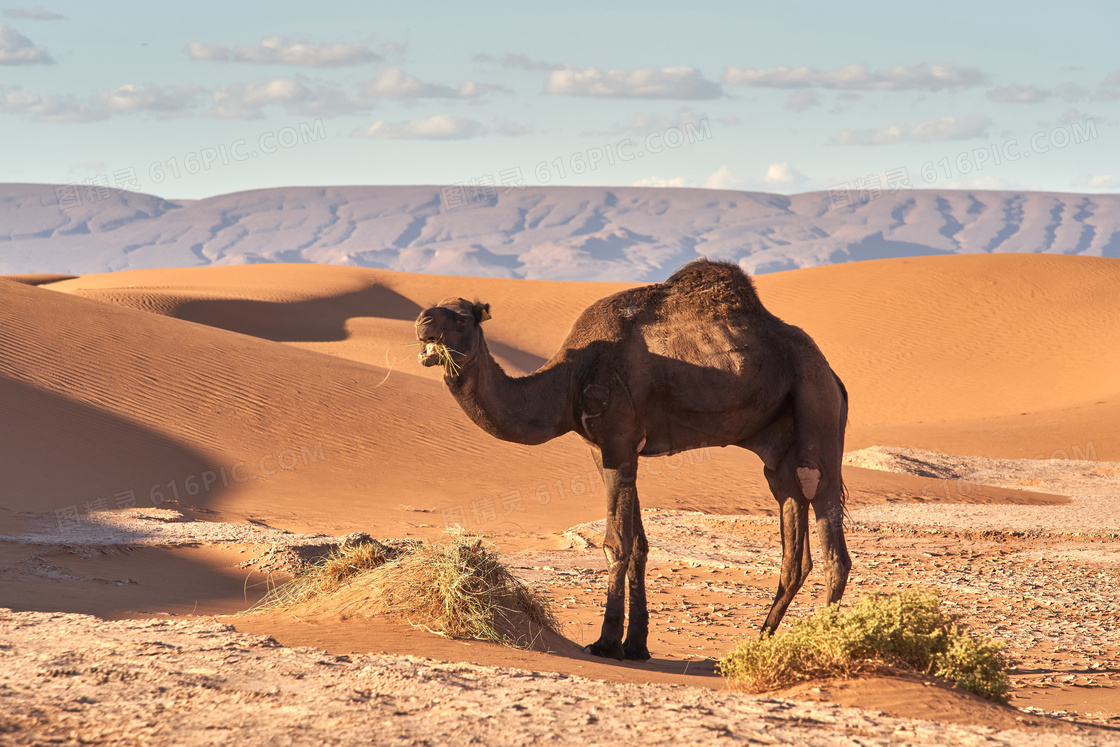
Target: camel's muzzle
x=429, y=356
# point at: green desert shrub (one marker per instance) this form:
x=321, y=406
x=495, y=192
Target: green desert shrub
x=880, y=633
x=457, y=587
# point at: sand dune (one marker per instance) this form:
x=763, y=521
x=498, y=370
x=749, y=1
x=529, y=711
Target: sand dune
x=992, y=355
x=288, y=395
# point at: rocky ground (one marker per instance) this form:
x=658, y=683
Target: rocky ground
x=1042, y=578
x=74, y=679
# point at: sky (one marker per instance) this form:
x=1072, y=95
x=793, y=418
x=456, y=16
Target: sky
x=189, y=100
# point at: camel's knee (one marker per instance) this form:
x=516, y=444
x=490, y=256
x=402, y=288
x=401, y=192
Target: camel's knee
x=618, y=555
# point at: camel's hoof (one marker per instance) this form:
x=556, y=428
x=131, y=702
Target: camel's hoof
x=635, y=653
x=606, y=650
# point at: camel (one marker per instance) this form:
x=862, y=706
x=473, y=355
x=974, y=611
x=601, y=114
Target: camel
x=693, y=362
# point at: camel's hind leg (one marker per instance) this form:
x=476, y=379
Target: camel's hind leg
x=637, y=624
x=796, y=562
x=820, y=414
x=828, y=508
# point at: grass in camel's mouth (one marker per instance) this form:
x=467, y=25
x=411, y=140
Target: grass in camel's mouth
x=444, y=356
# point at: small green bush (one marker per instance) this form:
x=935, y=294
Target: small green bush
x=880, y=633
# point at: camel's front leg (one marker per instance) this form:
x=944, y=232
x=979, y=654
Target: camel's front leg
x=619, y=473
x=637, y=627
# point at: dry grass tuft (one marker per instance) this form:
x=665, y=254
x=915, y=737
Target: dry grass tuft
x=445, y=358
x=880, y=633
x=456, y=588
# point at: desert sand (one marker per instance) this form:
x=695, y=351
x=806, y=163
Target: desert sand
x=167, y=430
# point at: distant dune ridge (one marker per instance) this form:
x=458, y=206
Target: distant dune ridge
x=634, y=234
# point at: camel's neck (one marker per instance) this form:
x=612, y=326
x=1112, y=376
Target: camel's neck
x=528, y=409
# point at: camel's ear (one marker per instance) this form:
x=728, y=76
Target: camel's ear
x=481, y=312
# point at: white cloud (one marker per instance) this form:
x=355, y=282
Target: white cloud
x=649, y=83
x=933, y=130
x=1097, y=181
x=1018, y=94
x=394, y=83
x=132, y=98
x=439, y=127
x=245, y=100
x=17, y=49
x=122, y=100
x=657, y=181
x=731, y=121
x=724, y=178
x=923, y=77
x=32, y=14
x=804, y=99
x=783, y=175
x=59, y=109
x=281, y=50
x=1112, y=79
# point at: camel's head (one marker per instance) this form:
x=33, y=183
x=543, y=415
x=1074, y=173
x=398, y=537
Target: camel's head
x=451, y=332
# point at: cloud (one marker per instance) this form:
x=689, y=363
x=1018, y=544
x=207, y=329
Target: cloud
x=1109, y=88
x=246, y=100
x=647, y=83
x=731, y=121
x=17, y=49
x=32, y=14
x=59, y=109
x=783, y=175
x=133, y=98
x=122, y=100
x=923, y=77
x=779, y=177
x=724, y=178
x=1018, y=94
x=520, y=62
x=281, y=50
x=439, y=127
x=657, y=181
x=933, y=130
x=804, y=99
x=394, y=83
x=1097, y=181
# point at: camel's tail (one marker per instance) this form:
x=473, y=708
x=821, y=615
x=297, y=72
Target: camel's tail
x=843, y=427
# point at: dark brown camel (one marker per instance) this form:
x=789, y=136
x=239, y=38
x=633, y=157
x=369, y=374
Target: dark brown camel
x=693, y=362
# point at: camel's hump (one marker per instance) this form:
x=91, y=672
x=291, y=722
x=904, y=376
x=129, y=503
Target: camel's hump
x=721, y=282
